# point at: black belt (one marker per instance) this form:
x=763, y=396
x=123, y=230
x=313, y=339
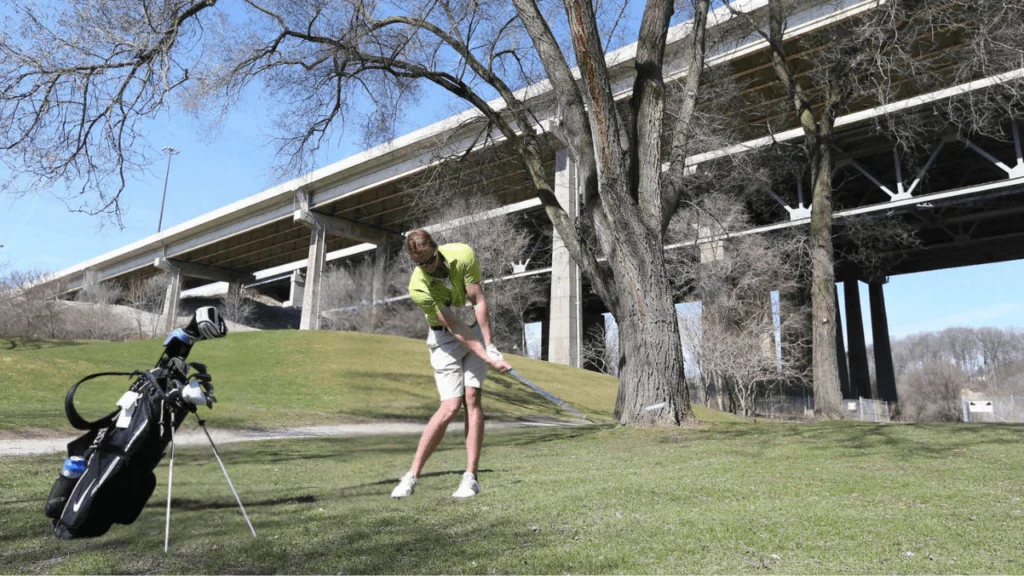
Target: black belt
x=443, y=328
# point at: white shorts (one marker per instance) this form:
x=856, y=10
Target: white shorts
x=455, y=367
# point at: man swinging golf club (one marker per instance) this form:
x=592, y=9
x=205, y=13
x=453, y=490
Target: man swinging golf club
x=446, y=277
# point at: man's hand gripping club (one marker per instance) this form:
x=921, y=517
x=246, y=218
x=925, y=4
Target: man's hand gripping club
x=469, y=339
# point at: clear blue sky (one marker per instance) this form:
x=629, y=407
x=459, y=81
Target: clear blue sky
x=213, y=170
x=986, y=295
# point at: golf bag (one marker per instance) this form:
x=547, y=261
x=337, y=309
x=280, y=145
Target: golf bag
x=121, y=449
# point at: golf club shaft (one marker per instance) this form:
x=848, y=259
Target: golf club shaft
x=225, y=470
x=170, y=482
x=547, y=395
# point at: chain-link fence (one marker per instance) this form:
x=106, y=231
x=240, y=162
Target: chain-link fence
x=802, y=408
x=784, y=407
x=867, y=410
x=993, y=409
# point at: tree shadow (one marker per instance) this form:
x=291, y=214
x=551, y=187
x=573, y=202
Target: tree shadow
x=18, y=343
x=195, y=504
x=498, y=387
x=846, y=439
x=208, y=504
x=515, y=393
x=345, y=447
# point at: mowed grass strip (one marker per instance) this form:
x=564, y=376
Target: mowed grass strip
x=280, y=379
x=730, y=498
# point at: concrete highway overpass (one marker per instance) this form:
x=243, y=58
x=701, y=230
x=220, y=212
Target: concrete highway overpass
x=965, y=205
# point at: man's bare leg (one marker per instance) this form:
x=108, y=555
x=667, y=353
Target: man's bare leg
x=434, y=432
x=474, y=428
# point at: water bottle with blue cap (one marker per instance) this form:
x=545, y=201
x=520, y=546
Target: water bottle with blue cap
x=74, y=467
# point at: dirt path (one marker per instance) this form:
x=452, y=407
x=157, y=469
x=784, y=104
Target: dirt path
x=191, y=435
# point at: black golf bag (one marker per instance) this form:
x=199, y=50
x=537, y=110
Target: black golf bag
x=121, y=449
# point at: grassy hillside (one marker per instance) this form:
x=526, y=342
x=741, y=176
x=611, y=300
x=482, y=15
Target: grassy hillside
x=830, y=498
x=277, y=379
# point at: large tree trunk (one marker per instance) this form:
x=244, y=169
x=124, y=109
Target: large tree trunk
x=823, y=300
x=652, y=387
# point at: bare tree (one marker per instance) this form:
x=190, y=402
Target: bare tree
x=932, y=392
x=103, y=293
x=1000, y=350
x=236, y=305
x=509, y=299
x=600, y=350
x=94, y=314
x=77, y=79
x=873, y=58
x=733, y=342
x=345, y=297
x=29, y=307
x=145, y=296
x=931, y=367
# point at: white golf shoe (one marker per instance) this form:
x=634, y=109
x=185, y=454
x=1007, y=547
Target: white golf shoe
x=405, y=487
x=468, y=488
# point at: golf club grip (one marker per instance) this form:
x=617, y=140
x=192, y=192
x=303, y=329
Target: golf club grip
x=548, y=395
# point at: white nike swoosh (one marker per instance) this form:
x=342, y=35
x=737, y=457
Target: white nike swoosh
x=79, y=503
x=137, y=432
x=107, y=473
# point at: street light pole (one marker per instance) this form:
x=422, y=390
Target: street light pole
x=170, y=151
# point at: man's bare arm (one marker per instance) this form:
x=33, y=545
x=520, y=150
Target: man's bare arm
x=475, y=296
x=468, y=338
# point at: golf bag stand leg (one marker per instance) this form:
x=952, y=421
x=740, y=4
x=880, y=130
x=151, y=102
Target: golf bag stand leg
x=170, y=480
x=225, y=470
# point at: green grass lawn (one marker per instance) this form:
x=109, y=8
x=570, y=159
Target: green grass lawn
x=726, y=497
x=834, y=497
x=279, y=379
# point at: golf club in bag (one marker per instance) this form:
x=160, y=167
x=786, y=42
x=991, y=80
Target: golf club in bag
x=108, y=475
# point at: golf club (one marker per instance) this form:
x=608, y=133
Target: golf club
x=549, y=396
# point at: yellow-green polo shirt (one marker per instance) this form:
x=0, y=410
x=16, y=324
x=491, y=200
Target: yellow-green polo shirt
x=431, y=293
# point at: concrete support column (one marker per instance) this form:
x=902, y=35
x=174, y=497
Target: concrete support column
x=860, y=378
x=171, y=298
x=90, y=281
x=314, y=275
x=885, y=376
x=844, y=376
x=565, y=313
x=298, y=286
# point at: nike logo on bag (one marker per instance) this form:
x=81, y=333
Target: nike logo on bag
x=84, y=493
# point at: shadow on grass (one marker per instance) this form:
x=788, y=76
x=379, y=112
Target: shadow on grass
x=344, y=448
x=182, y=504
x=514, y=392
x=194, y=504
x=500, y=393
x=497, y=387
x=855, y=439
x=15, y=343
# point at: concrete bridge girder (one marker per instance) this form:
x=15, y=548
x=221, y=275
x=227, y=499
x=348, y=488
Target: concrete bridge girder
x=178, y=270
x=322, y=225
